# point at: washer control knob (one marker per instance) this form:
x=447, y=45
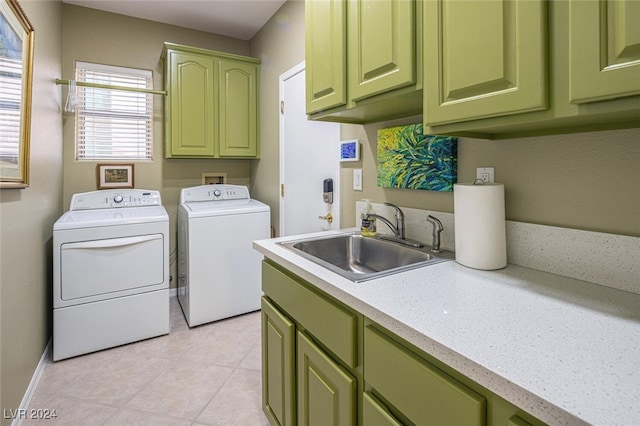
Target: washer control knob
x=217, y=193
x=118, y=199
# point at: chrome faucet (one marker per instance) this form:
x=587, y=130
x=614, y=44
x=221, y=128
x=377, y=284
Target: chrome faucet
x=398, y=229
x=437, y=229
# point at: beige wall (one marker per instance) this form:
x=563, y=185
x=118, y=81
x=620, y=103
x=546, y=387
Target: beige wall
x=584, y=181
x=94, y=36
x=27, y=217
x=280, y=45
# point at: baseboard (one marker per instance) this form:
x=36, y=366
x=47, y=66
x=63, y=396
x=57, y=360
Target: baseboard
x=33, y=385
x=173, y=292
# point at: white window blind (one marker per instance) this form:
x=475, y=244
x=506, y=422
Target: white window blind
x=113, y=124
x=10, y=97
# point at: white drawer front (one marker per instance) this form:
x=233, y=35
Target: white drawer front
x=91, y=268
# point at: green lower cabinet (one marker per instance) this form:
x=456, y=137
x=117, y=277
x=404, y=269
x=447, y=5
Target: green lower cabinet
x=422, y=393
x=326, y=364
x=517, y=421
x=326, y=393
x=374, y=413
x=278, y=368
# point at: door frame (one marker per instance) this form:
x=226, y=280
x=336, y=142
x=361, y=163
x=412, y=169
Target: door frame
x=292, y=72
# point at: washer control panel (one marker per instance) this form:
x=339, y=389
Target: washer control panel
x=214, y=193
x=115, y=198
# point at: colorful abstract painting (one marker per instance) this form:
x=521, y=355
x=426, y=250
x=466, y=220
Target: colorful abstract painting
x=409, y=159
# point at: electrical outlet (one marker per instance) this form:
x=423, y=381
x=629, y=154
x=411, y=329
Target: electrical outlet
x=357, y=179
x=485, y=174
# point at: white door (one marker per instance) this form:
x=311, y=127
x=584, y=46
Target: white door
x=308, y=156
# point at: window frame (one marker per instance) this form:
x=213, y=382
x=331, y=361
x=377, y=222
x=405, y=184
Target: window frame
x=106, y=120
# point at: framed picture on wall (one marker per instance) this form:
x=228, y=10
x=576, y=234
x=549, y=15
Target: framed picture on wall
x=112, y=176
x=16, y=75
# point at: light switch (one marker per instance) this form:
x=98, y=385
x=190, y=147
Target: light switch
x=357, y=179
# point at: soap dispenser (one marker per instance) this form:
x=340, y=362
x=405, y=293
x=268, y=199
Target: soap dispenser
x=368, y=227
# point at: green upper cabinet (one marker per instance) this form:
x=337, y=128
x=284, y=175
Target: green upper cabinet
x=484, y=59
x=238, y=101
x=605, y=49
x=325, y=45
x=501, y=69
x=211, y=107
x=381, y=46
x=363, y=59
x=190, y=107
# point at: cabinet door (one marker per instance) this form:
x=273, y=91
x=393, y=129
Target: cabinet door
x=604, y=49
x=190, y=106
x=278, y=363
x=376, y=414
x=326, y=393
x=238, y=103
x=381, y=46
x=325, y=45
x=483, y=59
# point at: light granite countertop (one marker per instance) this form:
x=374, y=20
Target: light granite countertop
x=564, y=350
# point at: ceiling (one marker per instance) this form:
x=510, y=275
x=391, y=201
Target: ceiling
x=233, y=18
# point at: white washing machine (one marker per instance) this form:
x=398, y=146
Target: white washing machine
x=110, y=271
x=219, y=273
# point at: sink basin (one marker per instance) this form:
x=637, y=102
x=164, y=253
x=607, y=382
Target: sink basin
x=359, y=258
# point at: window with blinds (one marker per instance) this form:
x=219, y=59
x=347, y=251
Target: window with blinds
x=10, y=97
x=113, y=124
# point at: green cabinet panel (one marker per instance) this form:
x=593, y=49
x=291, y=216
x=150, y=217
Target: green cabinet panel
x=604, y=49
x=374, y=413
x=238, y=100
x=325, y=60
x=334, y=326
x=591, y=51
x=278, y=363
x=381, y=46
x=190, y=107
x=484, y=59
x=517, y=421
x=421, y=392
x=211, y=107
x=363, y=59
x=326, y=393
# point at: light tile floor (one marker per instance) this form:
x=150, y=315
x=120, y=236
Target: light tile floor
x=207, y=375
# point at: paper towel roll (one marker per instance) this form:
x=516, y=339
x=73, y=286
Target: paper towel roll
x=481, y=241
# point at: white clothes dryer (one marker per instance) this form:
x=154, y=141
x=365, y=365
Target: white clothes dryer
x=219, y=273
x=110, y=271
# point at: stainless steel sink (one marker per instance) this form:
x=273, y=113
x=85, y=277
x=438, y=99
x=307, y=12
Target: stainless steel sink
x=359, y=258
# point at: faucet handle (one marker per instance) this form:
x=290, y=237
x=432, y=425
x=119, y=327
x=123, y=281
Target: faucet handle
x=437, y=229
x=435, y=222
x=398, y=211
x=399, y=215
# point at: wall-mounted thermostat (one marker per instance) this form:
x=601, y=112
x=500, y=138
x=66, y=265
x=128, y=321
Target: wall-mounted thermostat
x=350, y=150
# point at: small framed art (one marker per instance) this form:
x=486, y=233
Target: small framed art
x=111, y=176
